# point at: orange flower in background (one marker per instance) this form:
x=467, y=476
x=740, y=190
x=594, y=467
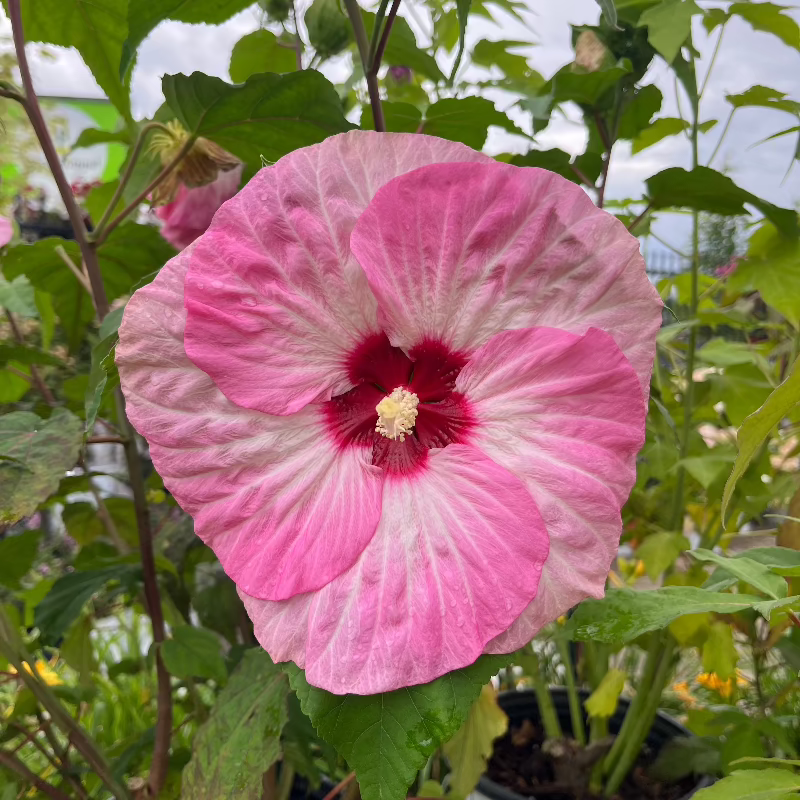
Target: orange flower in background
x=681, y=689
x=43, y=671
x=712, y=681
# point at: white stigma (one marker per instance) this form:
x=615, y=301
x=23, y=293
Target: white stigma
x=397, y=414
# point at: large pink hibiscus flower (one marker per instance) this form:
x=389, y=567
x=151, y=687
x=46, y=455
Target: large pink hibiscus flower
x=400, y=387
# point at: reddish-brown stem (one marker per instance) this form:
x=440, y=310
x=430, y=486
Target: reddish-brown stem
x=339, y=786
x=106, y=440
x=160, y=764
x=48, y=148
x=582, y=177
x=102, y=235
x=638, y=219
x=36, y=377
x=15, y=765
x=379, y=50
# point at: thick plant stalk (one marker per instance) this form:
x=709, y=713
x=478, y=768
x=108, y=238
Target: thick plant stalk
x=12, y=763
x=547, y=710
x=642, y=724
x=636, y=706
x=575, y=707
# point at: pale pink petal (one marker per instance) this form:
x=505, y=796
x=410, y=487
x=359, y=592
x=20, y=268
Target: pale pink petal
x=456, y=557
x=276, y=301
x=190, y=213
x=564, y=413
x=460, y=252
x=283, y=507
x=6, y=231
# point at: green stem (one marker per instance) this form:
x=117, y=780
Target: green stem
x=285, y=782
x=713, y=60
x=100, y=236
x=126, y=176
x=688, y=394
x=547, y=710
x=636, y=705
x=376, y=31
x=721, y=137
x=575, y=707
x=644, y=721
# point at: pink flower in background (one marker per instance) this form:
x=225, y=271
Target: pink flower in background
x=6, y=231
x=400, y=387
x=190, y=213
x=728, y=269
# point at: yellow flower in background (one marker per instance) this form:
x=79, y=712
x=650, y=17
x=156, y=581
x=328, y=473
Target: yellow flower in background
x=710, y=680
x=43, y=671
x=682, y=690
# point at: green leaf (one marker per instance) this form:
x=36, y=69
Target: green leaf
x=34, y=455
x=763, y=97
x=92, y=136
x=609, y=11
x=64, y=602
x=95, y=28
x=781, y=560
x=659, y=129
x=719, y=651
x=753, y=784
x=27, y=355
x=705, y=189
x=99, y=197
x=772, y=267
x=554, y=160
x=194, y=653
x=17, y=554
x=85, y=526
x=462, y=11
x=399, y=117
x=585, y=88
x=747, y=570
x=624, y=614
x=144, y=16
x=466, y=119
x=707, y=470
x=269, y=115
x=758, y=426
x=402, y=50
x=668, y=25
x=261, y=51
x=659, y=551
x=603, y=700
x=130, y=253
x=240, y=740
x=470, y=749
x=769, y=18
x=683, y=756
x=638, y=112
x=47, y=317
x=78, y=652
x=487, y=53
x=713, y=18
x=387, y=738
x=102, y=366
x=17, y=295
x=724, y=353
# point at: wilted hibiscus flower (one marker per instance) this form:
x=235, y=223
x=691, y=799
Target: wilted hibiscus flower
x=193, y=192
x=400, y=387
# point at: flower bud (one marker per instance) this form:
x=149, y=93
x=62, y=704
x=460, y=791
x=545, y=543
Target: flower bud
x=328, y=28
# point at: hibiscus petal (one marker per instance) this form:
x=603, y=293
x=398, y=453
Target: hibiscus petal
x=281, y=504
x=459, y=252
x=564, y=413
x=456, y=557
x=276, y=301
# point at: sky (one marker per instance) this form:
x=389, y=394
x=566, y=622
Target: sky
x=745, y=58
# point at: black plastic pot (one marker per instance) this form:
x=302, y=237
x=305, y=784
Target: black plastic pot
x=522, y=705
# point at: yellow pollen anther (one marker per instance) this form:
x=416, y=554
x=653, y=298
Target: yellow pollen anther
x=397, y=414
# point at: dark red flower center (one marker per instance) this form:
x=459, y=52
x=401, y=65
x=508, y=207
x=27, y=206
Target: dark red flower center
x=429, y=371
